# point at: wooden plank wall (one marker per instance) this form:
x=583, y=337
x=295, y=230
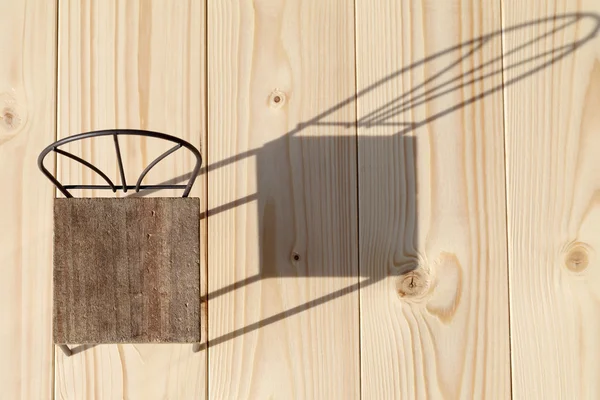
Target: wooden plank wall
x=139, y=65
x=27, y=125
x=402, y=196
x=553, y=186
x=434, y=315
x=283, y=266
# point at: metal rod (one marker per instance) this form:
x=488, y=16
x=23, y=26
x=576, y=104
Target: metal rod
x=56, y=183
x=87, y=164
x=120, y=187
x=115, y=132
x=153, y=163
x=66, y=350
x=121, y=170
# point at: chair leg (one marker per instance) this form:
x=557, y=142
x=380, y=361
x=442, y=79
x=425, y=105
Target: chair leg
x=66, y=350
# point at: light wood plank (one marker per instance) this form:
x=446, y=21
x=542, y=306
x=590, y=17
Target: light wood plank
x=434, y=306
x=553, y=143
x=27, y=125
x=139, y=65
x=283, y=300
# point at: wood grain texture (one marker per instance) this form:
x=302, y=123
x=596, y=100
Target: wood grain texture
x=27, y=125
x=434, y=310
x=139, y=65
x=283, y=272
x=553, y=175
x=126, y=270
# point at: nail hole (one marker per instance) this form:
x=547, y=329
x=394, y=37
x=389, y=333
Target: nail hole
x=412, y=284
x=296, y=256
x=276, y=99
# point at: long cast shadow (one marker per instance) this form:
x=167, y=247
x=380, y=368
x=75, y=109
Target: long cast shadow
x=481, y=80
x=282, y=190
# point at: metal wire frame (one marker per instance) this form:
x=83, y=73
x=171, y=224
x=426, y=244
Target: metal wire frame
x=54, y=147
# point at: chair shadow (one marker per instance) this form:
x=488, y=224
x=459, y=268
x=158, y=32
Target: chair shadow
x=292, y=208
x=282, y=190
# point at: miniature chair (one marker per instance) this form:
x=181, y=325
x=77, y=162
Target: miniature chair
x=126, y=270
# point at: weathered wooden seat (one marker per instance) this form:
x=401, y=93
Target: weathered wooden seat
x=126, y=270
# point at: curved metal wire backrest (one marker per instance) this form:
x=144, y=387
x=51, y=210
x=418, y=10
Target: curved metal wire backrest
x=115, y=134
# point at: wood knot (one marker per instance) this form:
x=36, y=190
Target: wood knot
x=446, y=287
x=10, y=119
x=413, y=284
x=277, y=99
x=12, y=115
x=295, y=257
x=577, y=258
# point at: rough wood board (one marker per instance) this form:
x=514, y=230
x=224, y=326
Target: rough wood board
x=283, y=271
x=126, y=271
x=27, y=124
x=139, y=65
x=553, y=175
x=434, y=312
